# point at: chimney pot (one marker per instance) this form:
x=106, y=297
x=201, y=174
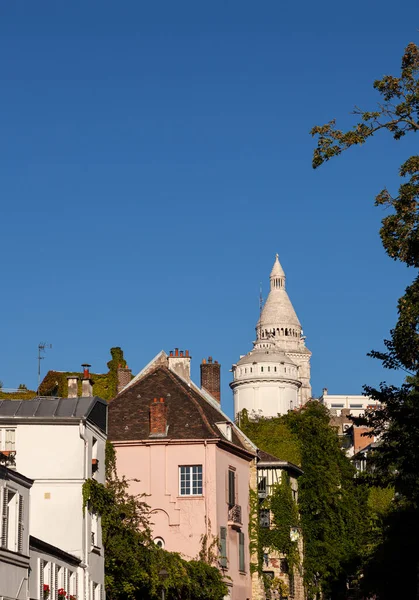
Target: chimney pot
x=176, y=351
x=186, y=352
x=171, y=353
x=210, y=359
x=86, y=373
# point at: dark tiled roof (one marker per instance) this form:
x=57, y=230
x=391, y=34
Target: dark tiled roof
x=190, y=415
x=266, y=459
x=91, y=408
x=41, y=546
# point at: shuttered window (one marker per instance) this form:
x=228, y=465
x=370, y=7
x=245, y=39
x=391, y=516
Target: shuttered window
x=7, y=439
x=9, y=519
x=223, y=547
x=242, y=565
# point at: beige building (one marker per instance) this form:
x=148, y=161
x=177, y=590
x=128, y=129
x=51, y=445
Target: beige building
x=340, y=404
x=274, y=377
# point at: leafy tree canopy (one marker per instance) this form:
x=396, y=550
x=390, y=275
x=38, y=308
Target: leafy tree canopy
x=391, y=568
x=333, y=507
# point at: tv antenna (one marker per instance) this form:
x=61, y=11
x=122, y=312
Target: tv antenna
x=260, y=309
x=42, y=346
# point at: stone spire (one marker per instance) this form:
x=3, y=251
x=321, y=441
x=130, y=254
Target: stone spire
x=277, y=274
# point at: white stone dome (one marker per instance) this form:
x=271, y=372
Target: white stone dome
x=265, y=356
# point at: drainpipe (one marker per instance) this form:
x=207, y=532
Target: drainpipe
x=82, y=432
x=206, y=492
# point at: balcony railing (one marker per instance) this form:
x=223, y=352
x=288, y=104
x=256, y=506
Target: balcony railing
x=235, y=515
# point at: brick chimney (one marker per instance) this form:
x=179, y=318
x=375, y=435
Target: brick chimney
x=158, y=417
x=86, y=382
x=211, y=378
x=124, y=377
x=180, y=363
x=72, y=384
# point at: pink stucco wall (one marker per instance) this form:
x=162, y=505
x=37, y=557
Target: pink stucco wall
x=182, y=521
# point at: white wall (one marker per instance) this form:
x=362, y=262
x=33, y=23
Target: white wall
x=60, y=460
x=268, y=398
x=356, y=404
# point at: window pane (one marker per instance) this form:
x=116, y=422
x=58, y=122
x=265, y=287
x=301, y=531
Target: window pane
x=190, y=480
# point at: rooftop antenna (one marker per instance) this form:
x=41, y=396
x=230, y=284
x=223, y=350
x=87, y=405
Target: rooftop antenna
x=260, y=308
x=42, y=346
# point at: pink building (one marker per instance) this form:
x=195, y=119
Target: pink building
x=190, y=460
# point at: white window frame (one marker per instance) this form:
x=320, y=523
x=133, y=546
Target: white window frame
x=95, y=530
x=192, y=494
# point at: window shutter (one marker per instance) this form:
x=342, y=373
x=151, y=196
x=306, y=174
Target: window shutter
x=55, y=582
x=4, y=507
x=231, y=488
x=41, y=579
x=20, y=526
x=241, y=551
x=223, y=547
x=51, y=581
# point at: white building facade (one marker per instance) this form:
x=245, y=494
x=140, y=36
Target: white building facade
x=355, y=404
x=59, y=443
x=274, y=377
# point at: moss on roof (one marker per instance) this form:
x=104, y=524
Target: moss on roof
x=20, y=395
x=104, y=384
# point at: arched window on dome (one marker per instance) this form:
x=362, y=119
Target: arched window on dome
x=282, y=331
x=286, y=331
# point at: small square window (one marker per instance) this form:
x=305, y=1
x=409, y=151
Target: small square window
x=190, y=480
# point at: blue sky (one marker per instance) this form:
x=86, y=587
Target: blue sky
x=154, y=158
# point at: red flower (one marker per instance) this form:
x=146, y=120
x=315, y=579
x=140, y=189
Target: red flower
x=46, y=587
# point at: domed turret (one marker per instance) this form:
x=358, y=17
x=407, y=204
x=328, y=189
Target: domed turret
x=275, y=376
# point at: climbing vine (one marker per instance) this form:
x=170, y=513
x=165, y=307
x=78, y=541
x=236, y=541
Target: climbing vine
x=117, y=360
x=284, y=516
